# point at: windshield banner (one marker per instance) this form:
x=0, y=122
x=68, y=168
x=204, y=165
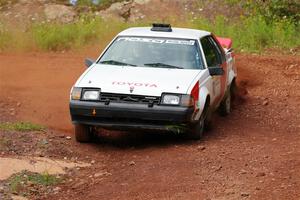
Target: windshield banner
x=157, y=40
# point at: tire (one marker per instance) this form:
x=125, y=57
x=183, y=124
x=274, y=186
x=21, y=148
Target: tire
x=83, y=133
x=233, y=90
x=208, y=120
x=197, y=130
x=225, y=106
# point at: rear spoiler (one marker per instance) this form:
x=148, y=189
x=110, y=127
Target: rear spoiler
x=225, y=42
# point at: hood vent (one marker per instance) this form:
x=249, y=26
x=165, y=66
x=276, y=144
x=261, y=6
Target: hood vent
x=161, y=27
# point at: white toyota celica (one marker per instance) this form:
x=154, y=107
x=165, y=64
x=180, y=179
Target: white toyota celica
x=158, y=78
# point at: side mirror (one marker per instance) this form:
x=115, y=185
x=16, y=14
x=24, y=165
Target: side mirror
x=216, y=71
x=88, y=62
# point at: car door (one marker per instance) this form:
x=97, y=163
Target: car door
x=214, y=58
x=224, y=65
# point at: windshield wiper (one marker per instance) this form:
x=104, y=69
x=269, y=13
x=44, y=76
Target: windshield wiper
x=164, y=65
x=115, y=62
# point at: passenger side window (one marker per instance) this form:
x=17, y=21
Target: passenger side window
x=212, y=55
x=218, y=48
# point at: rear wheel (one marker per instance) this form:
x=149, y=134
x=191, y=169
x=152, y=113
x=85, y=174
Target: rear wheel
x=83, y=133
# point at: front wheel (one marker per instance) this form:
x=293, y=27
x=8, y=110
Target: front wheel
x=197, y=130
x=83, y=133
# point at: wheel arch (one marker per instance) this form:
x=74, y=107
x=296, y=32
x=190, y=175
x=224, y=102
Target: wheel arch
x=231, y=77
x=204, y=101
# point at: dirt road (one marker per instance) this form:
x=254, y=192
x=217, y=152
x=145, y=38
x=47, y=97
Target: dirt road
x=252, y=154
x=40, y=84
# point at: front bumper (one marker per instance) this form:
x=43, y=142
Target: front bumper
x=123, y=116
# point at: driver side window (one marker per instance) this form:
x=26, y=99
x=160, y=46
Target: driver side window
x=211, y=53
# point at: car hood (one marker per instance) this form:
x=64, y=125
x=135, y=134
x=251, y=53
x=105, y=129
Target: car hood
x=138, y=80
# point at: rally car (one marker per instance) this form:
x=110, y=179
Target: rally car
x=158, y=78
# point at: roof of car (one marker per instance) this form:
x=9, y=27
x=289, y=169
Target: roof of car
x=175, y=33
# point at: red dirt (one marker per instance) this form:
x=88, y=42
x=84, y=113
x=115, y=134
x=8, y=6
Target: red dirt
x=252, y=154
x=40, y=84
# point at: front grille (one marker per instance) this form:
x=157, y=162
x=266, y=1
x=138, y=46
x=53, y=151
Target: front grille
x=128, y=98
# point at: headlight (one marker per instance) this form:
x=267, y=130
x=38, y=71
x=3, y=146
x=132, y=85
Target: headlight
x=170, y=99
x=76, y=93
x=91, y=95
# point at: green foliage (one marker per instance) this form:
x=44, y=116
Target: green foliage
x=107, y=3
x=18, y=182
x=15, y=183
x=20, y=126
x=272, y=10
x=59, y=36
x=280, y=9
x=254, y=34
x=251, y=33
x=232, y=2
x=43, y=179
x=54, y=37
x=4, y=39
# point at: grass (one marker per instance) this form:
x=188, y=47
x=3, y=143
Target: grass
x=249, y=34
x=5, y=37
x=18, y=183
x=254, y=34
x=85, y=31
x=43, y=179
x=20, y=126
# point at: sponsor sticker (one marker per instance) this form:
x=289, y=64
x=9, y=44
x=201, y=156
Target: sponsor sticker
x=157, y=41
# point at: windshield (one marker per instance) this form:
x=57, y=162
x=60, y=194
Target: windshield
x=153, y=52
